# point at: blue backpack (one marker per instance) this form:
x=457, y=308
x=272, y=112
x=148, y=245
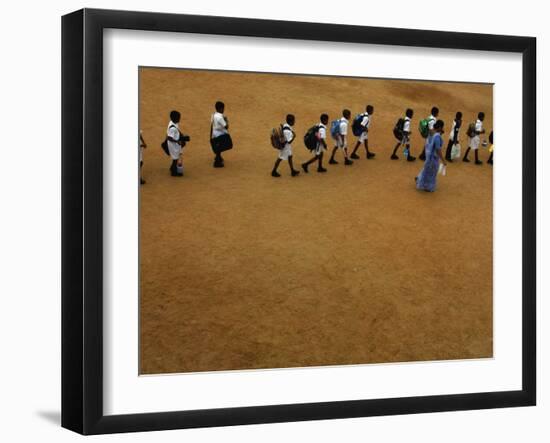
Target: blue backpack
x=356, y=127
x=335, y=129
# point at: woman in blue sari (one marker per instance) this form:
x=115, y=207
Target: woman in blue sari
x=427, y=178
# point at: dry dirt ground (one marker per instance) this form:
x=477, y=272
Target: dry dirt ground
x=240, y=270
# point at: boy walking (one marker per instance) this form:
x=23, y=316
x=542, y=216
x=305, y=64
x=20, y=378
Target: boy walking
x=453, y=136
x=364, y=136
x=219, y=126
x=286, y=152
x=405, y=137
x=321, y=146
x=342, y=138
x=175, y=142
x=474, y=132
x=432, y=118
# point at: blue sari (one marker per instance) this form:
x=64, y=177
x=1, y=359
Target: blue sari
x=427, y=179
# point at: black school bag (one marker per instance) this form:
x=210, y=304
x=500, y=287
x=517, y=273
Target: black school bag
x=398, y=129
x=310, y=139
x=164, y=144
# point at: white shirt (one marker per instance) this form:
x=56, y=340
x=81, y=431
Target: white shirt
x=288, y=132
x=452, y=133
x=407, y=125
x=219, y=125
x=173, y=131
x=344, y=126
x=322, y=132
x=431, y=122
x=366, y=121
x=479, y=126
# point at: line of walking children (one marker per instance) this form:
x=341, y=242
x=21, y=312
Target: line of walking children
x=431, y=129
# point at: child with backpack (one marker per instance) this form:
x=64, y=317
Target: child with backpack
x=286, y=152
x=453, y=136
x=220, y=140
x=315, y=141
x=339, y=131
x=474, y=131
x=360, y=128
x=175, y=142
x=402, y=131
x=427, y=127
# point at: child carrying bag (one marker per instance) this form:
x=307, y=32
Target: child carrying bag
x=220, y=143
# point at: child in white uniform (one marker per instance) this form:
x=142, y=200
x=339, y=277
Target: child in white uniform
x=321, y=146
x=342, y=139
x=364, y=137
x=286, y=152
x=174, y=140
x=219, y=126
x=453, y=136
x=474, y=141
x=432, y=118
x=406, y=137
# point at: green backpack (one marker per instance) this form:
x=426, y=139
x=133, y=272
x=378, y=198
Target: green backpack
x=424, y=128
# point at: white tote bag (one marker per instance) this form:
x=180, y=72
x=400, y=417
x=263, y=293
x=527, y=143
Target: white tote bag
x=455, y=151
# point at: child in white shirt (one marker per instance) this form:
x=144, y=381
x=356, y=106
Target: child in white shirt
x=474, y=141
x=453, y=136
x=286, y=152
x=219, y=126
x=364, y=137
x=342, y=138
x=174, y=140
x=405, y=138
x=321, y=146
x=432, y=118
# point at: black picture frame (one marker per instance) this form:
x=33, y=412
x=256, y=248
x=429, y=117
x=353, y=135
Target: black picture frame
x=82, y=218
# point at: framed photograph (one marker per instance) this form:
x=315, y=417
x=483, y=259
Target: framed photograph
x=269, y=221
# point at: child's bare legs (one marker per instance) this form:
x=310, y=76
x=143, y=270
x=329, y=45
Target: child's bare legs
x=353, y=154
x=369, y=154
x=332, y=161
x=294, y=172
x=274, y=172
x=309, y=162
x=394, y=153
x=319, y=158
x=320, y=166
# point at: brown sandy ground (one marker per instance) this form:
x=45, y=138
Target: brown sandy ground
x=240, y=270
